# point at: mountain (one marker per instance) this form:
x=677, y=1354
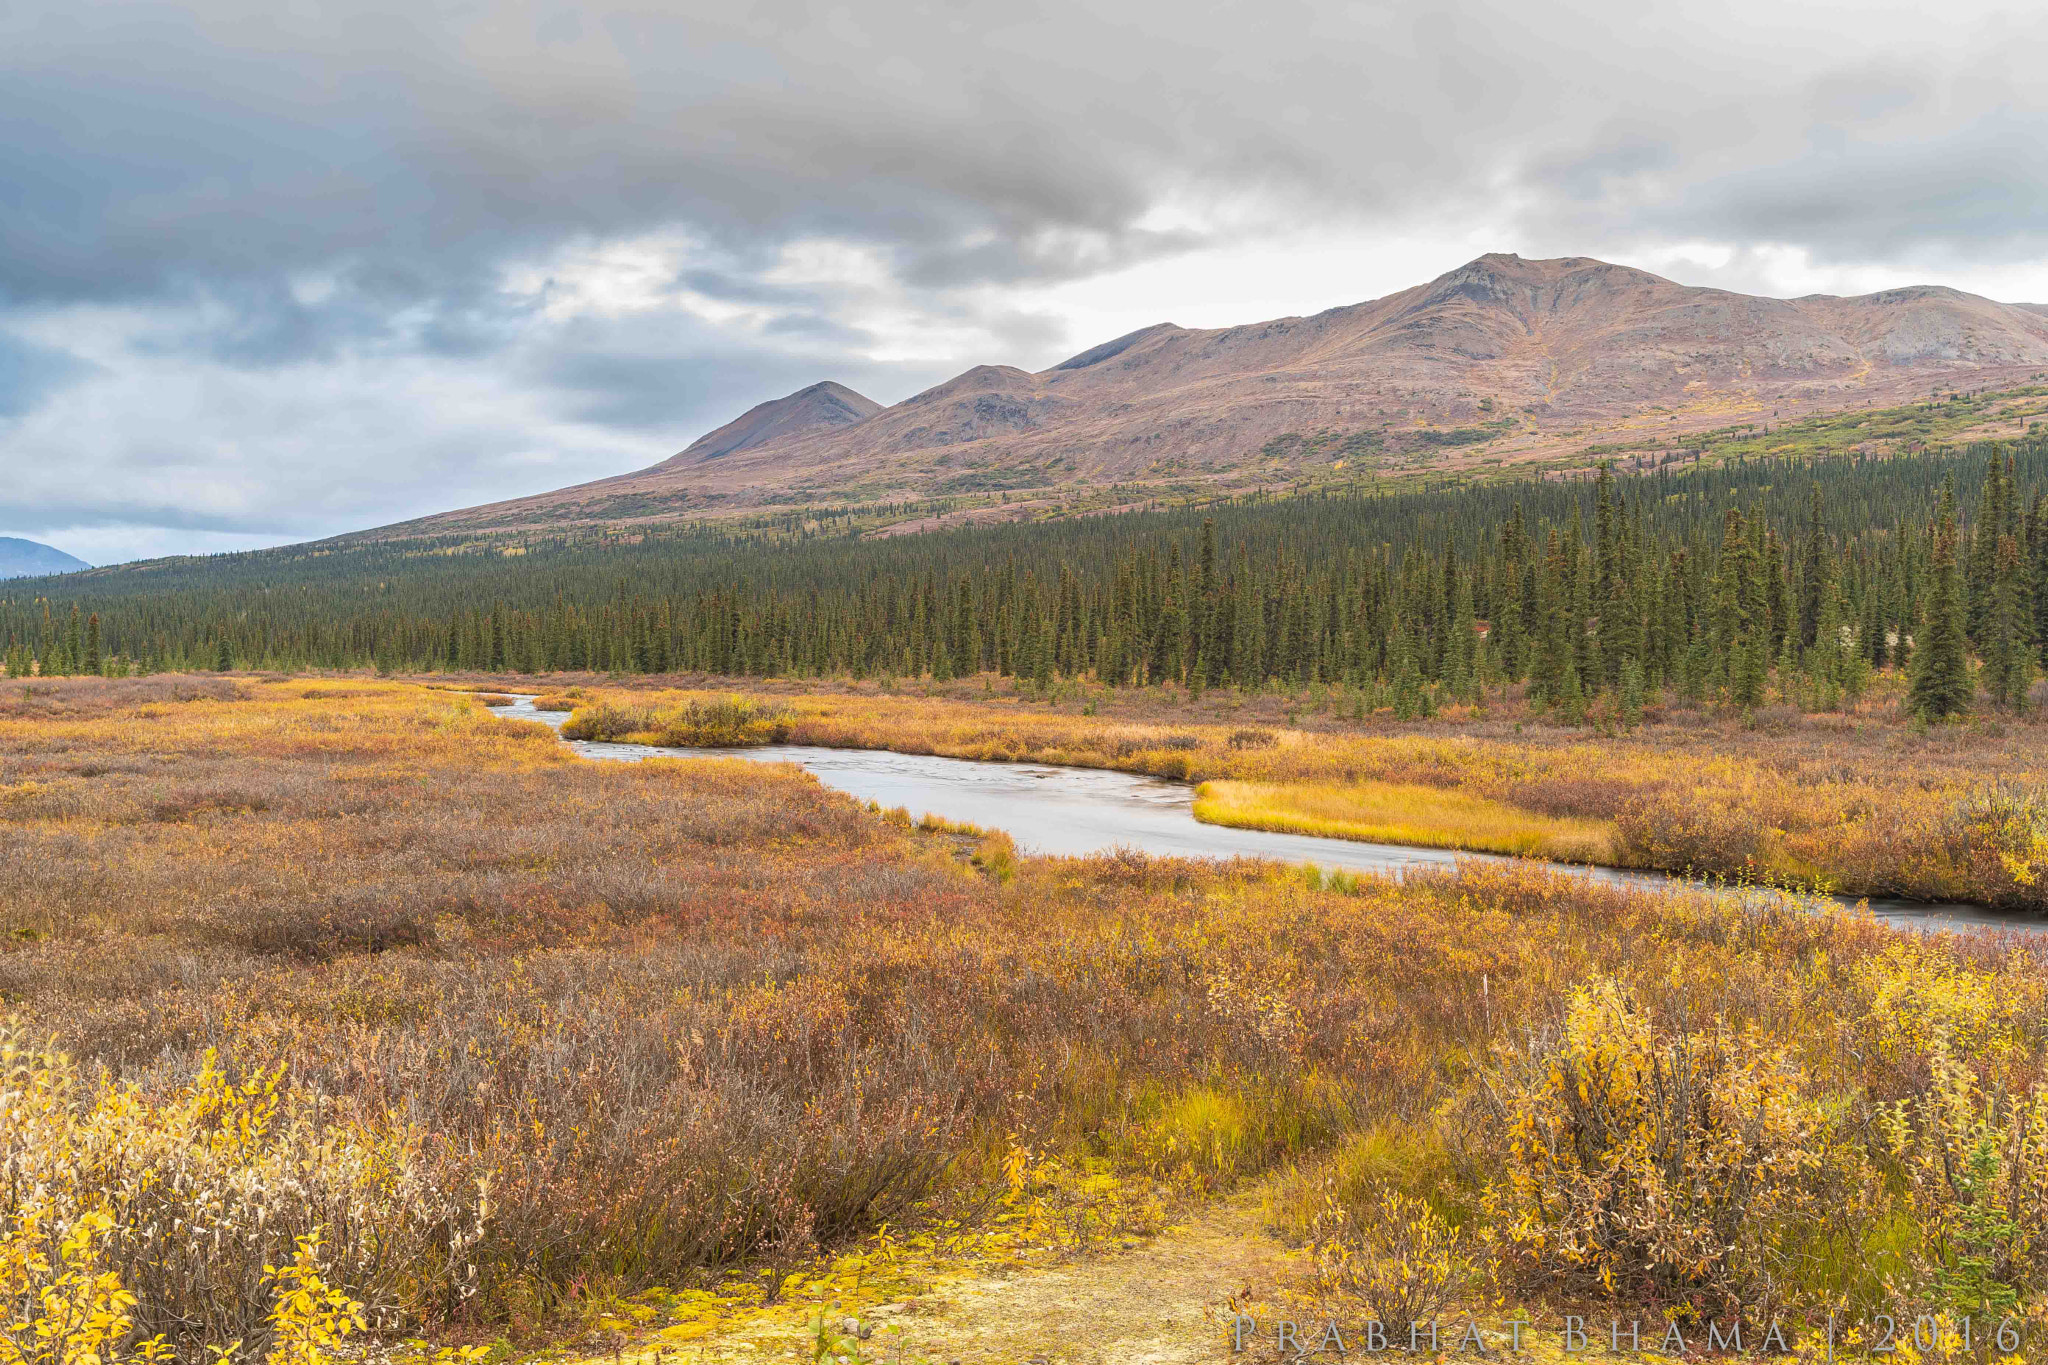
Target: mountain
x=1500, y=362
x=31, y=559
x=820, y=408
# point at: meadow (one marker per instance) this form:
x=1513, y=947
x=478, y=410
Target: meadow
x=340, y=1002
x=1859, y=802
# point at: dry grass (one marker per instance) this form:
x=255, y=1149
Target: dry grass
x=688, y=1020
x=1389, y=812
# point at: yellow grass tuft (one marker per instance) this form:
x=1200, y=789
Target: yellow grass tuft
x=1404, y=813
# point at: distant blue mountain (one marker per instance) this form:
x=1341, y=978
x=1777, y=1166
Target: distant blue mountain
x=28, y=559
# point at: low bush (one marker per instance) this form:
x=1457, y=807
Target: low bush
x=604, y=721
x=1689, y=830
x=1997, y=838
x=186, y=1200
x=721, y=723
x=568, y=699
x=1666, y=1165
x=1394, y=1254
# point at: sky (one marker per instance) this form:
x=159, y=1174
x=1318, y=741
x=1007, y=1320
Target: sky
x=276, y=270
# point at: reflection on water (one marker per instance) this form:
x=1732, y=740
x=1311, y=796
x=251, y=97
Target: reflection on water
x=1065, y=811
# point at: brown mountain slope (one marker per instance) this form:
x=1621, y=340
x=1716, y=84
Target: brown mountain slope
x=820, y=408
x=1500, y=361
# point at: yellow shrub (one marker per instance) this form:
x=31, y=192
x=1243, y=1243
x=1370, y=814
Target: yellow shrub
x=1659, y=1165
x=1394, y=1253
x=66, y=1308
x=184, y=1201
x=1977, y=1166
x=1921, y=997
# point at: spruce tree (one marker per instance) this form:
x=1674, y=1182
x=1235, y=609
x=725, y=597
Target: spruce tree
x=1813, y=579
x=1941, y=666
x=2037, y=576
x=74, y=643
x=1981, y=574
x=2008, y=660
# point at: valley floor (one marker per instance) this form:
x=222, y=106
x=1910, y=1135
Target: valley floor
x=350, y=987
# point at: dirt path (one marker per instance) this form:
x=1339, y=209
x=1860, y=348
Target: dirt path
x=1165, y=1300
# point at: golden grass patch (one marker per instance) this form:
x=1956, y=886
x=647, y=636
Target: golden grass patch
x=1404, y=813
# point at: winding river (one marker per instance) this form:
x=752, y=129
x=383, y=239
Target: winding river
x=1065, y=811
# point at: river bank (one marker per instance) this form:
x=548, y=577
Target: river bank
x=1077, y=811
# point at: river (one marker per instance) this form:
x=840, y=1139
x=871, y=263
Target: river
x=1066, y=811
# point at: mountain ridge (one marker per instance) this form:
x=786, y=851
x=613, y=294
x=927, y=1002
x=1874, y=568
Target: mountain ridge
x=32, y=559
x=1502, y=360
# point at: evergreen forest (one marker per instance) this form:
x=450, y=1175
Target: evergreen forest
x=1725, y=582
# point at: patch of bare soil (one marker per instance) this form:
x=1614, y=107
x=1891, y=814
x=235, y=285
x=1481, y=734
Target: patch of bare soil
x=1167, y=1302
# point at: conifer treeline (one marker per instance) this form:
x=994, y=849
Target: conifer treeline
x=1704, y=582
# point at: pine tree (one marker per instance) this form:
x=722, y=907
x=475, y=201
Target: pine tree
x=94, y=664
x=1941, y=666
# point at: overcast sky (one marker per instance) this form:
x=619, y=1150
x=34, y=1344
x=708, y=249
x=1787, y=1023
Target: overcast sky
x=275, y=269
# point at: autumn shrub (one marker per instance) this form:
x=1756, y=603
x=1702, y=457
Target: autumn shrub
x=568, y=699
x=1569, y=796
x=1664, y=1164
x=198, y=1190
x=1997, y=837
x=1392, y=1252
x=607, y=1026
x=605, y=721
x=359, y=920
x=721, y=723
x=1976, y=1164
x=1688, y=830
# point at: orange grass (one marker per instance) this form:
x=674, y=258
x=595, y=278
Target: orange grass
x=620, y=1025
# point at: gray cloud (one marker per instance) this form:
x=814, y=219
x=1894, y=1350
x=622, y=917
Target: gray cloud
x=386, y=256
x=28, y=372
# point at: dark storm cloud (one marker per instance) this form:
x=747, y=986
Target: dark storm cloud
x=143, y=145
x=370, y=239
